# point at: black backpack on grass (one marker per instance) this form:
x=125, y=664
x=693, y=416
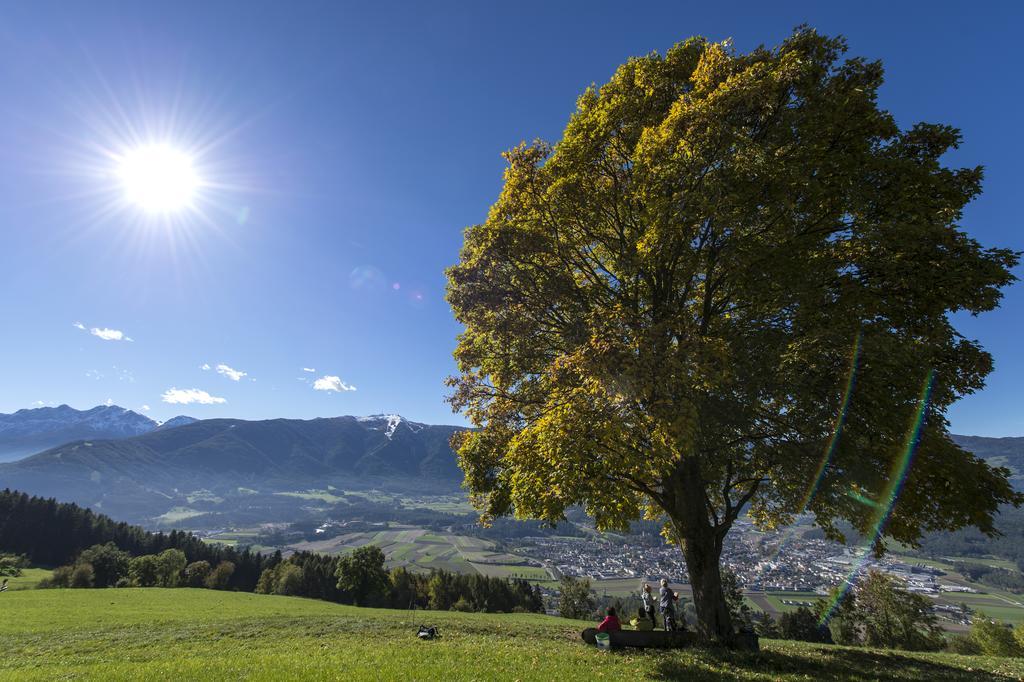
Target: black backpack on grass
x=428, y=633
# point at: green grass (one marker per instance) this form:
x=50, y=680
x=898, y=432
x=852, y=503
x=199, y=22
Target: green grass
x=230, y=542
x=155, y=634
x=509, y=571
x=318, y=495
x=28, y=579
x=371, y=495
x=177, y=515
x=946, y=565
x=234, y=538
x=203, y=496
x=911, y=559
x=442, y=505
x=1004, y=564
x=775, y=600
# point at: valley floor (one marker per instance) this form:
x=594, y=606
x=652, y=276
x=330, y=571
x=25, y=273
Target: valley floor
x=144, y=634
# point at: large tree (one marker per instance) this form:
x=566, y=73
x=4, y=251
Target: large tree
x=726, y=289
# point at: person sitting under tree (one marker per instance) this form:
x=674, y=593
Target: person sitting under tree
x=642, y=622
x=610, y=623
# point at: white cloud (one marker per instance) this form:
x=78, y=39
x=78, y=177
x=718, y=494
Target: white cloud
x=187, y=396
x=110, y=401
x=94, y=374
x=205, y=367
x=331, y=383
x=233, y=374
x=109, y=334
x=308, y=369
x=145, y=408
x=103, y=332
x=38, y=403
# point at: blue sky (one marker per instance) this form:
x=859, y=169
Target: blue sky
x=343, y=148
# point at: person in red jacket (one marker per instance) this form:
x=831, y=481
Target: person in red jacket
x=610, y=623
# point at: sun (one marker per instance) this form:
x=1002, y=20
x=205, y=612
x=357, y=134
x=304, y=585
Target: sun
x=158, y=178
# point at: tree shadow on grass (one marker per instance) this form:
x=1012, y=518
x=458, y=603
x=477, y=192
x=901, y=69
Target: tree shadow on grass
x=823, y=663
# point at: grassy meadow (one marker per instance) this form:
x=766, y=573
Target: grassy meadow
x=28, y=579
x=151, y=634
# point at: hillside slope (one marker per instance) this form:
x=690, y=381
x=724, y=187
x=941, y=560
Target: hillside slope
x=157, y=634
x=1004, y=452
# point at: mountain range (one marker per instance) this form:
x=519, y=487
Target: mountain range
x=220, y=456
x=33, y=430
x=109, y=456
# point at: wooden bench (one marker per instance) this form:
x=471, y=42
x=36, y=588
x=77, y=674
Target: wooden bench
x=644, y=639
x=660, y=639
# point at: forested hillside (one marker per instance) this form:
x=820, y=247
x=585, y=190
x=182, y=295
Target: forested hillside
x=1005, y=452
x=52, y=533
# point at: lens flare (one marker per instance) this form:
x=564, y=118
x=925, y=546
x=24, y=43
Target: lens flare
x=862, y=499
x=837, y=430
x=367, y=278
x=833, y=442
x=897, y=477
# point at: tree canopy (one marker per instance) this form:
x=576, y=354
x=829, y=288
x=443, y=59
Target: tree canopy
x=361, y=574
x=728, y=288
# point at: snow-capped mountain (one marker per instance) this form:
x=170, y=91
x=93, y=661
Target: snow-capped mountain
x=180, y=420
x=33, y=430
x=389, y=423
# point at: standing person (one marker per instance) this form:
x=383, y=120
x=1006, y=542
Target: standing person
x=667, y=600
x=647, y=599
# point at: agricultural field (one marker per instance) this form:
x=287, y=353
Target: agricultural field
x=448, y=504
x=203, y=496
x=327, y=496
x=176, y=515
x=422, y=550
x=442, y=503
x=776, y=600
x=946, y=564
x=159, y=634
x=620, y=587
x=531, y=573
x=235, y=537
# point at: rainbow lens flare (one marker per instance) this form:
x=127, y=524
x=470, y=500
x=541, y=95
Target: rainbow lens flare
x=897, y=477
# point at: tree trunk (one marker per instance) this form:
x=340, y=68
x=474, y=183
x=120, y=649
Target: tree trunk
x=702, y=549
x=702, y=552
